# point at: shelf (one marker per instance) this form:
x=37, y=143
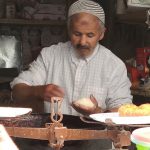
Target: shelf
x=31, y=22
x=132, y=18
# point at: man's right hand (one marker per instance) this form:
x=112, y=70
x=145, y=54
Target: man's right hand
x=52, y=90
x=23, y=92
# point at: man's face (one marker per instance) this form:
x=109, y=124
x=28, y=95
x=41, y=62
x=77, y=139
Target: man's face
x=85, y=32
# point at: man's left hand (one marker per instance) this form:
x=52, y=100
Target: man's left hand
x=86, y=109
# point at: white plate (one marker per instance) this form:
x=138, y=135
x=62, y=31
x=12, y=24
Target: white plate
x=6, y=112
x=120, y=120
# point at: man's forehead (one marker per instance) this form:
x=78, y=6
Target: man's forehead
x=85, y=26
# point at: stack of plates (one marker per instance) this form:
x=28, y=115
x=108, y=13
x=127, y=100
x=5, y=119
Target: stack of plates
x=141, y=137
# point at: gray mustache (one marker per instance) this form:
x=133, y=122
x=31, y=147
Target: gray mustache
x=82, y=46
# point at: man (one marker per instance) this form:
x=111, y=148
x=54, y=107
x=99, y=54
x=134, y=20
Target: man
x=77, y=68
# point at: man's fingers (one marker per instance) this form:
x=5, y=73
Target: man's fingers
x=52, y=90
x=93, y=99
x=58, y=91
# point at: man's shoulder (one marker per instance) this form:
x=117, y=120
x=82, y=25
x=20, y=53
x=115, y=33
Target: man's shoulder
x=55, y=51
x=105, y=51
x=110, y=56
x=56, y=47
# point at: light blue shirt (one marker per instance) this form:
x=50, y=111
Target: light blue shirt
x=102, y=74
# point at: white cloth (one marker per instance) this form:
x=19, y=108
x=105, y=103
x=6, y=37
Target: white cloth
x=87, y=6
x=102, y=74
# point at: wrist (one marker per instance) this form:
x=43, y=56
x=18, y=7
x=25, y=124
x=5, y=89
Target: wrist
x=38, y=91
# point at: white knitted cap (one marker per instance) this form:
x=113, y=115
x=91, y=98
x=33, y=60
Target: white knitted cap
x=87, y=6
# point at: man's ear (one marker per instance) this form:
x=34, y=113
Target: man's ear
x=102, y=34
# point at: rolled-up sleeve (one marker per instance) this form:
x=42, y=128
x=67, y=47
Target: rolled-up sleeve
x=36, y=75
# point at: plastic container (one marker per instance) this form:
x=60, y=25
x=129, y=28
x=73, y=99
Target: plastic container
x=141, y=137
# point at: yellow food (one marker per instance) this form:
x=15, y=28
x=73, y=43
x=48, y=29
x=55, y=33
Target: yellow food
x=145, y=106
x=133, y=110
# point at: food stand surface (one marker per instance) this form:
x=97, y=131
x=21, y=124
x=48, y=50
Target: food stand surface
x=57, y=128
